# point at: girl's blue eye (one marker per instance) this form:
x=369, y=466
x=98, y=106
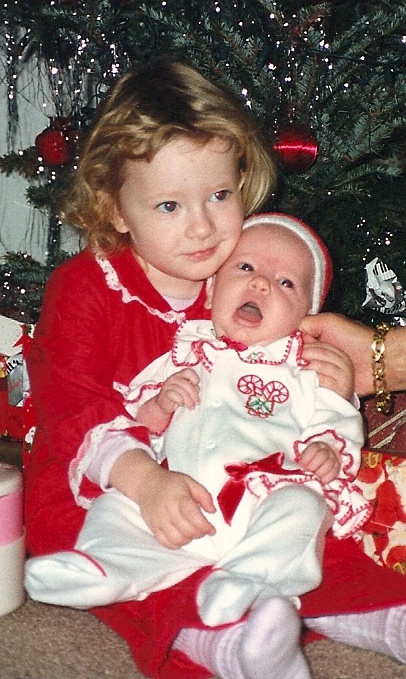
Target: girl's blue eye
x=168, y=206
x=244, y=266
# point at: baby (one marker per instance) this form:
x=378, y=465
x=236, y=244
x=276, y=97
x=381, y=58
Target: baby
x=234, y=407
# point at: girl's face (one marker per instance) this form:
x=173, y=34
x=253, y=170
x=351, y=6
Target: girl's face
x=183, y=211
x=264, y=289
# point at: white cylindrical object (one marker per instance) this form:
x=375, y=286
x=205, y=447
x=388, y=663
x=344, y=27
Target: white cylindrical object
x=12, y=539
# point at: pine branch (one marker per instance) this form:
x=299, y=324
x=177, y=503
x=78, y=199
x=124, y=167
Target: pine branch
x=23, y=162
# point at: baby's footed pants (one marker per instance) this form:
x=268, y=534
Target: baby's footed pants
x=280, y=555
x=116, y=558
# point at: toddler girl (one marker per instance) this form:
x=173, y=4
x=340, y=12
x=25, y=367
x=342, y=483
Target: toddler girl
x=171, y=168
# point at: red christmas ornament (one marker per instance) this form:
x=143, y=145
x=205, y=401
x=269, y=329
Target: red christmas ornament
x=52, y=144
x=295, y=147
x=73, y=135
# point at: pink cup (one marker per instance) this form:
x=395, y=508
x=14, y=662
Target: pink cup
x=12, y=540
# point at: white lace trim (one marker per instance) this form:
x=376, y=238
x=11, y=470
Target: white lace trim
x=114, y=283
x=87, y=452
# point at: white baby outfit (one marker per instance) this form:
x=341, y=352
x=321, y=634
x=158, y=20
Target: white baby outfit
x=258, y=410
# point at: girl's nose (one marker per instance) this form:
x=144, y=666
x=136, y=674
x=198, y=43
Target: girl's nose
x=200, y=225
x=260, y=284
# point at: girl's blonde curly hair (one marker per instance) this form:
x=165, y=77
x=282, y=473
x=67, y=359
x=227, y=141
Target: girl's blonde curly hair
x=145, y=109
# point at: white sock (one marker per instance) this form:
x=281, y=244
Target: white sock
x=265, y=645
x=383, y=631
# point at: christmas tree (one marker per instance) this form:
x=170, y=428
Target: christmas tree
x=326, y=80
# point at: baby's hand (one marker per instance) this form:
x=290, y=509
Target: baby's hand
x=180, y=389
x=171, y=505
x=334, y=368
x=320, y=459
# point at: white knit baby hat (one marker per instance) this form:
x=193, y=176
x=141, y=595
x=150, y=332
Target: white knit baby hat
x=323, y=267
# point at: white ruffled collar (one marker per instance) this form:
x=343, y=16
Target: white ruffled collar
x=196, y=342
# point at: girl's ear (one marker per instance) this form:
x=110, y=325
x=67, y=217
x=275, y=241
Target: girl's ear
x=118, y=221
x=116, y=218
x=110, y=210
x=209, y=292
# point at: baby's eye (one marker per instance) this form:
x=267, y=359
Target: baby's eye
x=220, y=195
x=244, y=266
x=286, y=282
x=167, y=206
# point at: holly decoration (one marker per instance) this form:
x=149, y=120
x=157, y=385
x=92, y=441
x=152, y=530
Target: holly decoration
x=52, y=143
x=296, y=147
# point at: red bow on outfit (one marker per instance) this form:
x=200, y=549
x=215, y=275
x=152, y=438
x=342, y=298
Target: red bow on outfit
x=233, y=344
x=233, y=490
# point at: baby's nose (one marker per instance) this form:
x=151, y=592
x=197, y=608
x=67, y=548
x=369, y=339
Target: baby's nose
x=260, y=284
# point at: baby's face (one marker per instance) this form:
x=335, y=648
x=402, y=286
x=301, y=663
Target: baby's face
x=264, y=289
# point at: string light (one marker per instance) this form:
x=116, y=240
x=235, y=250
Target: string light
x=291, y=69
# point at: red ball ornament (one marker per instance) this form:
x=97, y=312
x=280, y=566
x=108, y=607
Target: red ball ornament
x=73, y=135
x=295, y=147
x=52, y=145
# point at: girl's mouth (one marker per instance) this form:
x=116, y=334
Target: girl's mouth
x=201, y=255
x=249, y=312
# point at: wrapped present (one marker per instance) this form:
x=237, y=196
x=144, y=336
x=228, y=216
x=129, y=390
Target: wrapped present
x=384, y=292
x=386, y=432
x=11, y=417
x=11, y=332
x=15, y=338
x=382, y=479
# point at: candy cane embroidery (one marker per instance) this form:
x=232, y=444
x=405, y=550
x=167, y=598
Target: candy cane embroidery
x=262, y=397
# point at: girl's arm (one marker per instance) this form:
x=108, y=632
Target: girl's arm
x=71, y=361
x=170, y=502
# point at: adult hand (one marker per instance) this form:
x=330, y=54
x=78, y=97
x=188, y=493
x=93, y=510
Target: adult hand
x=352, y=337
x=334, y=368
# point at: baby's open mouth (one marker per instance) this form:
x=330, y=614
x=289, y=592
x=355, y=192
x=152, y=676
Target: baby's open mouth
x=249, y=312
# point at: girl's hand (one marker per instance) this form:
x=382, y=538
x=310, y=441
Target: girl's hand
x=334, y=368
x=180, y=389
x=171, y=504
x=320, y=459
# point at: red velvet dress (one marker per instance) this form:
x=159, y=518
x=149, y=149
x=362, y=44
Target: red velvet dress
x=98, y=327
